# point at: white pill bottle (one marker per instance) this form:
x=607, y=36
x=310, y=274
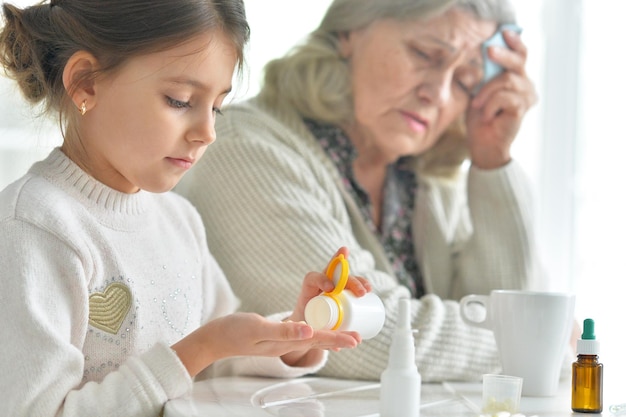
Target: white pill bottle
x=341, y=310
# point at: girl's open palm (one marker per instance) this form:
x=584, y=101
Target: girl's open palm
x=250, y=334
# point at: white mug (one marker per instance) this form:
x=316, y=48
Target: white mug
x=532, y=330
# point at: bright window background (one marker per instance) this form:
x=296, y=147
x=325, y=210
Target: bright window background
x=599, y=223
x=572, y=143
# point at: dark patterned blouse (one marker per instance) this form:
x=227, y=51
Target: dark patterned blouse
x=395, y=232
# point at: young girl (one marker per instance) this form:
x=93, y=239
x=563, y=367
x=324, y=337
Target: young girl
x=111, y=302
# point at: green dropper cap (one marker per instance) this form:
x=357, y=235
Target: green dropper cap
x=587, y=344
x=588, y=330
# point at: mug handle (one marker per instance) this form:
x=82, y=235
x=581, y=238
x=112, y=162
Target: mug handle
x=483, y=300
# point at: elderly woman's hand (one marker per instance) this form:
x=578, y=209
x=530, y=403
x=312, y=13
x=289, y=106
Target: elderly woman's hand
x=495, y=114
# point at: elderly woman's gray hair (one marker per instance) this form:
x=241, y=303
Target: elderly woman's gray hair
x=314, y=79
x=344, y=15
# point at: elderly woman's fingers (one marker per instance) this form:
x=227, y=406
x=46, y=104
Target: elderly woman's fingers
x=507, y=82
x=514, y=41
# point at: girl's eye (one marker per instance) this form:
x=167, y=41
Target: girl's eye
x=177, y=104
x=217, y=111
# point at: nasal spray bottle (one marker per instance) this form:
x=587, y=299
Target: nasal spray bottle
x=400, y=383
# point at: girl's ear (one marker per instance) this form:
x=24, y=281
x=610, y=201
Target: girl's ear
x=78, y=80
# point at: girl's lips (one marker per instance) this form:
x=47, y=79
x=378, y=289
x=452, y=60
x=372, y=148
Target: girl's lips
x=181, y=162
x=416, y=123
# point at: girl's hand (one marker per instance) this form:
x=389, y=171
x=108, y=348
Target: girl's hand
x=495, y=114
x=249, y=334
x=316, y=283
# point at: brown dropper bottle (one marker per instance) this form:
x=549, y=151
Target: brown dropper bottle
x=587, y=373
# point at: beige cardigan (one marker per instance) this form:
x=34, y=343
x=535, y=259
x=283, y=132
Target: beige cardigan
x=274, y=208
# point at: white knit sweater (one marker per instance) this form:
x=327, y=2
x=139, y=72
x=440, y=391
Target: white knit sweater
x=274, y=207
x=96, y=285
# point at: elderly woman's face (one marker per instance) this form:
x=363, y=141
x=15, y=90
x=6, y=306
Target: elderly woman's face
x=411, y=79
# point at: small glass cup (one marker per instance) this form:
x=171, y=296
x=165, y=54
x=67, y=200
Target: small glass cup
x=501, y=393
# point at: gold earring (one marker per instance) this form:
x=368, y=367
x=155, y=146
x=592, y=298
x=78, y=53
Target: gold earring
x=83, y=108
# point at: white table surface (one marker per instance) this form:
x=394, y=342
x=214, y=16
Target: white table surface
x=325, y=397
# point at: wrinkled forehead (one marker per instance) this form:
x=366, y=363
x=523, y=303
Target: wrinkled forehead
x=455, y=28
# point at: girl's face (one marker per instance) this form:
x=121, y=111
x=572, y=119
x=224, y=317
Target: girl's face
x=149, y=122
x=411, y=79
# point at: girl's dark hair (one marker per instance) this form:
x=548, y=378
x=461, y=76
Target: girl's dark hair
x=36, y=42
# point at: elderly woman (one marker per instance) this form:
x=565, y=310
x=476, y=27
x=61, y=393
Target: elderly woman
x=358, y=138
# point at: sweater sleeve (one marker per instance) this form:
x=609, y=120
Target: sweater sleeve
x=476, y=234
x=273, y=212
x=501, y=252
x=44, y=295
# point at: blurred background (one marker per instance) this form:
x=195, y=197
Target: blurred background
x=572, y=143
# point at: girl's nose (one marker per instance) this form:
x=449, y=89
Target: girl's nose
x=204, y=129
